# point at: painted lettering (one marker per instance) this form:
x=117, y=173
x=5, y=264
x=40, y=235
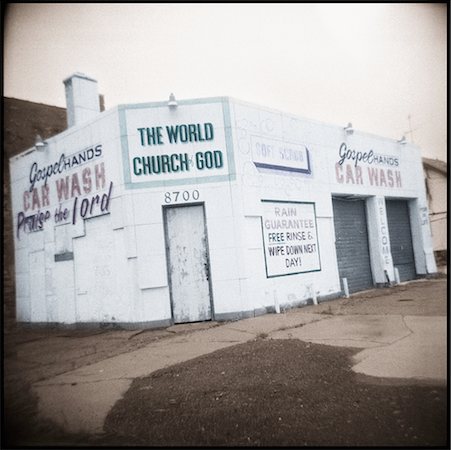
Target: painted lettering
x=64, y=163
x=276, y=250
x=75, y=186
x=293, y=262
x=35, y=203
x=66, y=187
x=373, y=176
x=151, y=136
x=45, y=195
x=99, y=171
x=382, y=180
x=33, y=222
x=339, y=173
x=93, y=206
x=285, y=212
x=190, y=133
x=275, y=237
x=295, y=236
x=154, y=165
x=61, y=215
x=62, y=188
x=358, y=175
x=26, y=201
x=390, y=178
x=368, y=157
x=209, y=160
x=87, y=181
x=345, y=153
x=349, y=174
x=294, y=249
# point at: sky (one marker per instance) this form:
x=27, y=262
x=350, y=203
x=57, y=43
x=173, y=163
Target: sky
x=381, y=66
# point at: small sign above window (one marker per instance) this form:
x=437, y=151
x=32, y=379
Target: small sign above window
x=280, y=155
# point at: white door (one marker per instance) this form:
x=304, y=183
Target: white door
x=188, y=267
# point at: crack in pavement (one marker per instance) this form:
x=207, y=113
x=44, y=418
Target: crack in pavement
x=405, y=324
x=243, y=331
x=299, y=325
x=84, y=383
x=313, y=340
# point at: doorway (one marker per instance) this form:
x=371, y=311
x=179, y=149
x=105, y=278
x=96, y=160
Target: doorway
x=351, y=243
x=401, y=238
x=188, y=263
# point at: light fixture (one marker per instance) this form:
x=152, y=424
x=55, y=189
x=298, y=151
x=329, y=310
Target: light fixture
x=39, y=144
x=402, y=141
x=348, y=128
x=172, y=101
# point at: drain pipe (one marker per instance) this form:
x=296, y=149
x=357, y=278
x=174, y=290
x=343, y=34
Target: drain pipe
x=345, y=287
x=397, y=279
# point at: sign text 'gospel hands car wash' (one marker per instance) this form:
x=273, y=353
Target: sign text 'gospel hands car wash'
x=348, y=169
x=69, y=199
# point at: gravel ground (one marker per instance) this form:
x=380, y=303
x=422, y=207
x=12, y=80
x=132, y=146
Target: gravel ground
x=276, y=393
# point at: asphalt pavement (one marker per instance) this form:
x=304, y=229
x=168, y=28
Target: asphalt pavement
x=401, y=331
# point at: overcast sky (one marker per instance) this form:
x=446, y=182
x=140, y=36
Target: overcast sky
x=374, y=65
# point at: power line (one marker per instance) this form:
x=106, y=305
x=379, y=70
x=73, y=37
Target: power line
x=437, y=219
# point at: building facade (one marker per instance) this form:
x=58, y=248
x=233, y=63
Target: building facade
x=436, y=176
x=208, y=209
x=22, y=121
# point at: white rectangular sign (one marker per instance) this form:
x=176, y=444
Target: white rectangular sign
x=279, y=155
x=290, y=238
x=166, y=145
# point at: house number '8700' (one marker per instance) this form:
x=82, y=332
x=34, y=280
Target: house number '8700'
x=178, y=196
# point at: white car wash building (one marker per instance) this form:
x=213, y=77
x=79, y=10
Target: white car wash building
x=208, y=209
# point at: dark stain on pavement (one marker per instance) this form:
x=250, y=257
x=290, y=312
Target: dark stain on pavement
x=275, y=393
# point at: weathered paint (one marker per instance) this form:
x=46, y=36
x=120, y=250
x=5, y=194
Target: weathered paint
x=127, y=235
x=188, y=264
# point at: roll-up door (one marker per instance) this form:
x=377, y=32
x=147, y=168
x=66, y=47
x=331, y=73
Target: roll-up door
x=401, y=238
x=351, y=242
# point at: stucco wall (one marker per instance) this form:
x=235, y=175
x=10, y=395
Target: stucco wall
x=44, y=186
x=255, y=127
x=106, y=261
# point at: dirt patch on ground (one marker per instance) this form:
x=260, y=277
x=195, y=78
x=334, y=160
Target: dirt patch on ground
x=422, y=297
x=35, y=354
x=267, y=393
x=275, y=393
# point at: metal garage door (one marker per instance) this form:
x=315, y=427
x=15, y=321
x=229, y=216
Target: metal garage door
x=351, y=242
x=401, y=238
